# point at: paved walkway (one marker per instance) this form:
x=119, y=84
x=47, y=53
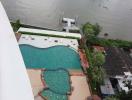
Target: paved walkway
x=18, y=35
x=35, y=79
x=80, y=88
x=78, y=82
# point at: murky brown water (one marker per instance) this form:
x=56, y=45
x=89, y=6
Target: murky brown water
x=115, y=16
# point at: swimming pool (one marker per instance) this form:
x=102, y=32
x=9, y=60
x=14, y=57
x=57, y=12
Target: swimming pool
x=49, y=95
x=50, y=58
x=58, y=83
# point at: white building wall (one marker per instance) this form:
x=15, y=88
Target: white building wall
x=14, y=81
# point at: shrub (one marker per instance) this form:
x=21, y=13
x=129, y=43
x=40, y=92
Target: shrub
x=16, y=25
x=91, y=30
x=108, y=42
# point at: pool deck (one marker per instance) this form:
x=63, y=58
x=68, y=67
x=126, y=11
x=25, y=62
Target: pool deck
x=38, y=98
x=76, y=72
x=80, y=88
x=46, y=42
x=18, y=35
x=35, y=79
x=78, y=82
x=78, y=79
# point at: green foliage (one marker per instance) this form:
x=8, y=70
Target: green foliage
x=95, y=72
x=89, y=55
x=16, y=25
x=91, y=30
x=98, y=74
x=97, y=29
x=99, y=59
x=108, y=42
x=88, y=29
x=111, y=98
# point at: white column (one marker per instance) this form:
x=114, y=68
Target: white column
x=14, y=81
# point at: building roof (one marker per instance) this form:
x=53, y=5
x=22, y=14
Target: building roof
x=117, y=61
x=106, y=88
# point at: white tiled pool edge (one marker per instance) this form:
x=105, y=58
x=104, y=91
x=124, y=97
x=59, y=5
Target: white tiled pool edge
x=46, y=42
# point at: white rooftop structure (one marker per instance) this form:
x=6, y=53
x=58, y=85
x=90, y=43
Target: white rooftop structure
x=127, y=73
x=73, y=27
x=64, y=34
x=70, y=24
x=69, y=21
x=106, y=88
x=123, y=79
x=14, y=81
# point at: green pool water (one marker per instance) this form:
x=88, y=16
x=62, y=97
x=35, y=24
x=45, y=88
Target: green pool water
x=50, y=58
x=49, y=95
x=57, y=80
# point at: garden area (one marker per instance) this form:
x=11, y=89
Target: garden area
x=96, y=72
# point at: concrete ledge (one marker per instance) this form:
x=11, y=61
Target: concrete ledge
x=47, y=32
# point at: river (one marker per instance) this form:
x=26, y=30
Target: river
x=115, y=16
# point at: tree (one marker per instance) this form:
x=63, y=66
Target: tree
x=97, y=29
x=91, y=30
x=16, y=25
x=98, y=74
x=99, y=59
x=88, y=29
